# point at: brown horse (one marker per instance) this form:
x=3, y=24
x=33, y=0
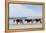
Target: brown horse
x=37, y=20
x=28, y=20
x=19, y=20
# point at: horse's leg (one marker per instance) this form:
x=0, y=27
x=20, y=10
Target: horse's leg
x=22, y=22
x=17, y=22
x=31, y=22
x=27, y=21
x=40, y=21
x=14, y=20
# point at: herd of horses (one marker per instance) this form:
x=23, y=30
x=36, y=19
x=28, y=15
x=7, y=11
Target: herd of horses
x=27, y=20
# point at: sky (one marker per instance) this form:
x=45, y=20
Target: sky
x=25, y=10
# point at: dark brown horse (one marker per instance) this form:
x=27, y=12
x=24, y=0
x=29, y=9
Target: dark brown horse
x=28, y=20
x=19, y=20
x=37, y=20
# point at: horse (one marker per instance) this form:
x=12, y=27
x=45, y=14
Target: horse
x=37, y=20
x=28, y=20
x=19, y=20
